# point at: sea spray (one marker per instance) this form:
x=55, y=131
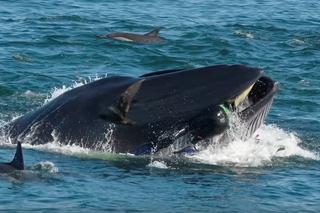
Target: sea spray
x=269, y=142
x=45, y=166
x=57, y=91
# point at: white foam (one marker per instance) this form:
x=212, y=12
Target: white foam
x=298, y=41
x=46, y=166
x=30, y=94
x=57, y=91
x=158, y=165
x=69, y=149
x=59, y=148
x=244, y=34
x=270, y=142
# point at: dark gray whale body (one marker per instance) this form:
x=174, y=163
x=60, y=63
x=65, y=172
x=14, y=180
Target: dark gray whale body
x=151, y=112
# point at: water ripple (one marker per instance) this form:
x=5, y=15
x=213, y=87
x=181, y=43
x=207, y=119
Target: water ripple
x=50, y=44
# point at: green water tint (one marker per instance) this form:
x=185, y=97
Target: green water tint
x=225, y=109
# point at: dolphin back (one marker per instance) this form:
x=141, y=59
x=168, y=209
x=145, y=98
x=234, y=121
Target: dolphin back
x=151, y=37
x=154, y=32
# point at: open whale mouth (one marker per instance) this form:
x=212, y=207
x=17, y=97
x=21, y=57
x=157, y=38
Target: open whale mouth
x=259, y=103
x=205, y=99
x=253, y=104
x=251, y=108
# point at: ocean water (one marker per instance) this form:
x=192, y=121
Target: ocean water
x=48, y=47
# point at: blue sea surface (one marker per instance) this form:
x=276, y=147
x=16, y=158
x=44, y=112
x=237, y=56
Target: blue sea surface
x=48, y=47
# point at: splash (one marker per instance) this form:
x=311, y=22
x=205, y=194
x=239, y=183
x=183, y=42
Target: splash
x=270, y=142
x=45, y=166
x=57, y=91
x=297, y=41
x=56, y=147
x=158, y=165
x=245, y=34
x=31, y=94
x=69, y=149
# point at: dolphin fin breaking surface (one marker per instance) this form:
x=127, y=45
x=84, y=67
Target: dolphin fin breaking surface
x=17, y=161
x=16, y=164
x=154, y=32
x=127, y=97
x=120, y=112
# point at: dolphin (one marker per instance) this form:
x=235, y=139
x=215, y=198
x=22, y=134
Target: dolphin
x=16, y=164
x=177, y=108
x=151, y=37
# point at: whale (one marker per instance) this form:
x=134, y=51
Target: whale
x=178, y=108
x=16, y=164
x=151, y=37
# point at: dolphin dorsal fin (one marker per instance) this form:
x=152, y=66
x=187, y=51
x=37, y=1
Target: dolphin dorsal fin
x=17, y=161
x=120, y=112
x=127, y=96
x=154, y=32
